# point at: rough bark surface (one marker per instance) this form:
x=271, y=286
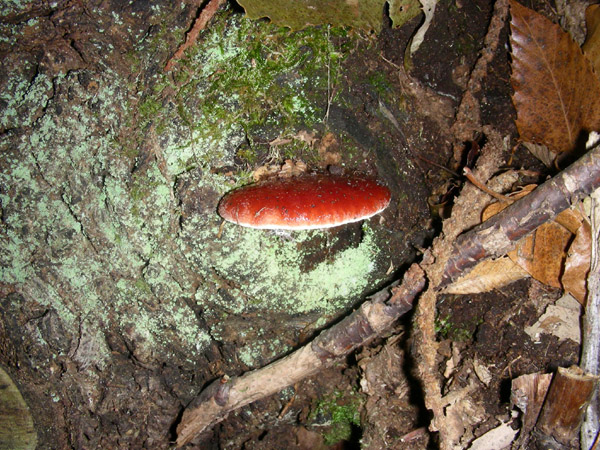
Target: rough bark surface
x=120, y=297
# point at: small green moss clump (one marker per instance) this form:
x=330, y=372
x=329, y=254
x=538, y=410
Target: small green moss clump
x=341, y=410
x=447, y=329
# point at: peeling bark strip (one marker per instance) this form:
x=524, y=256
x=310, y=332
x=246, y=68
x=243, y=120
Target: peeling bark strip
x=496, y=236
x=559, y=422
x=226, y=395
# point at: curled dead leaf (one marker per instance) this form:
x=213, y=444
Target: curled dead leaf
x=556, y=94
x=544, y=252
x=329, y=150
x=577, y=265
x=557, y=254
x=591, y=46
x=292, y=168
x=288, y=169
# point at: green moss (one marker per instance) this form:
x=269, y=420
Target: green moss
x=241, y=76
x=85, y=219
x=247, y=154
x=447, y=329
x=341, y=410
x=148, y=109
x=379, y=82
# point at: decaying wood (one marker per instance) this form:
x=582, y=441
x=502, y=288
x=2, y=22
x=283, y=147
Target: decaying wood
x=559, y=422
x=466, y=214
x=496, y=236
x=590, y=351
x=370, y=320
x=376, y=316
x=527, y=394
x=552, y=407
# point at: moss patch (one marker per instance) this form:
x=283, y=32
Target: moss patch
x=93, y=225
x=241, y=79
x=341, y=411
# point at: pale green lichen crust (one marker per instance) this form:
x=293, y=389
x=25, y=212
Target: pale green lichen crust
x=266, y=270
x=84, y=218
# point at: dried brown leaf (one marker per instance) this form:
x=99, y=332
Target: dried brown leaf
x=495, y=208
x=577, y=265
x=571, y=219
x=543, y=253
x=551, y=255
x=541, y=152
x=329, y=150
x=591, y=46
x=556, y=94
x=488, y=275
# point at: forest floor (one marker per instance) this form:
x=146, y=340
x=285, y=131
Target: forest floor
x=404, y=111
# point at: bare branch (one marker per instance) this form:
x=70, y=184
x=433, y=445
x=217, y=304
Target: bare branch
x=492, y=238
x=590, y=351
x=228, y=394
x=496, y=236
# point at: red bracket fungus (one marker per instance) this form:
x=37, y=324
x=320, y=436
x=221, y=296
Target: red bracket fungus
x=304, y=203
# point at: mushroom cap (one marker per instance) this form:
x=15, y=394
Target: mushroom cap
x=304, y=203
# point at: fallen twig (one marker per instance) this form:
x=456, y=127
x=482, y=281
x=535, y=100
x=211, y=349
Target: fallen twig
x=473, y=179
x=201, y=21
x=374, y=317
x=228, y=394
x=496, y=236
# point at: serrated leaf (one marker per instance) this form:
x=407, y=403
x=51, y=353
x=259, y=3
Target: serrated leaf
x=556, y=94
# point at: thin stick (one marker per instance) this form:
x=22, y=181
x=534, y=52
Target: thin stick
x=439, y=166
x=590, y=352
x=469, y=174
x=375, y=316
x=201, y=21
x=370, y=320
x=496, y=236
